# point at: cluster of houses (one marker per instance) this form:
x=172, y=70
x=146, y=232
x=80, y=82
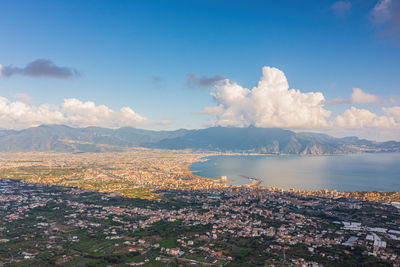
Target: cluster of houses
x=286, y=219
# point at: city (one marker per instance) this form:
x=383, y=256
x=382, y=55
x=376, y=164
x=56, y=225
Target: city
x=114, y=209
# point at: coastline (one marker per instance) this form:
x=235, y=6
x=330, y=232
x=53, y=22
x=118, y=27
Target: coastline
x=255, y=182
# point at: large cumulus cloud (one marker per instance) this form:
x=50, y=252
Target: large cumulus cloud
x=270, y=104
x=73, y=112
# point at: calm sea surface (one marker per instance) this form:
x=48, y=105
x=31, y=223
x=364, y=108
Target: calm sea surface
x=366, y=172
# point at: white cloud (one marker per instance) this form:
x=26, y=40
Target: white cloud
x=84, y=114
x=17, y=115
x=393, y=112
x=1, y=70
x=359, y=96
x=25, y=98
x=73, y=112
x=362, y=118
x=270, y=104
x=166, y=122
x=212, y=110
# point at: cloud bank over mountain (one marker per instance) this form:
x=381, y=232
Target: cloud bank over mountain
x=273, y=104
x=363, y=118
x=73, y=112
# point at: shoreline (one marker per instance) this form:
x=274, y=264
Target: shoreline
x=255, y=182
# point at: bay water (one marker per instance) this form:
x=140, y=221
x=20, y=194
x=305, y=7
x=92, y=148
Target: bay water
x=354, y=172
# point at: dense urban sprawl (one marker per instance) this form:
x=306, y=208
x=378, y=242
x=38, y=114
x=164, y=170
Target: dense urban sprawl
x=144, y=207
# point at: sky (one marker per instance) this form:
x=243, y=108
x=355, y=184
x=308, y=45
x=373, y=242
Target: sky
x=321, y=66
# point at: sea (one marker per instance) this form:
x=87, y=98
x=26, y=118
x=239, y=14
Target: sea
x=353, y=172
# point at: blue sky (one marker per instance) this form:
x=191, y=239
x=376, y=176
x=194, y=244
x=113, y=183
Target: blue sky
x=138, y=54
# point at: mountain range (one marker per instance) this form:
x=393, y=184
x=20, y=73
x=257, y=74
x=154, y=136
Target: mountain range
x=63, y=138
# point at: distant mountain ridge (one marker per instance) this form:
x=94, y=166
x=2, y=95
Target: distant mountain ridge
x=272, y=141
x=63, y=138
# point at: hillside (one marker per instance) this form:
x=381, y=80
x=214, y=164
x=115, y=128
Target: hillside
x=63, y=138
x=272, y=140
